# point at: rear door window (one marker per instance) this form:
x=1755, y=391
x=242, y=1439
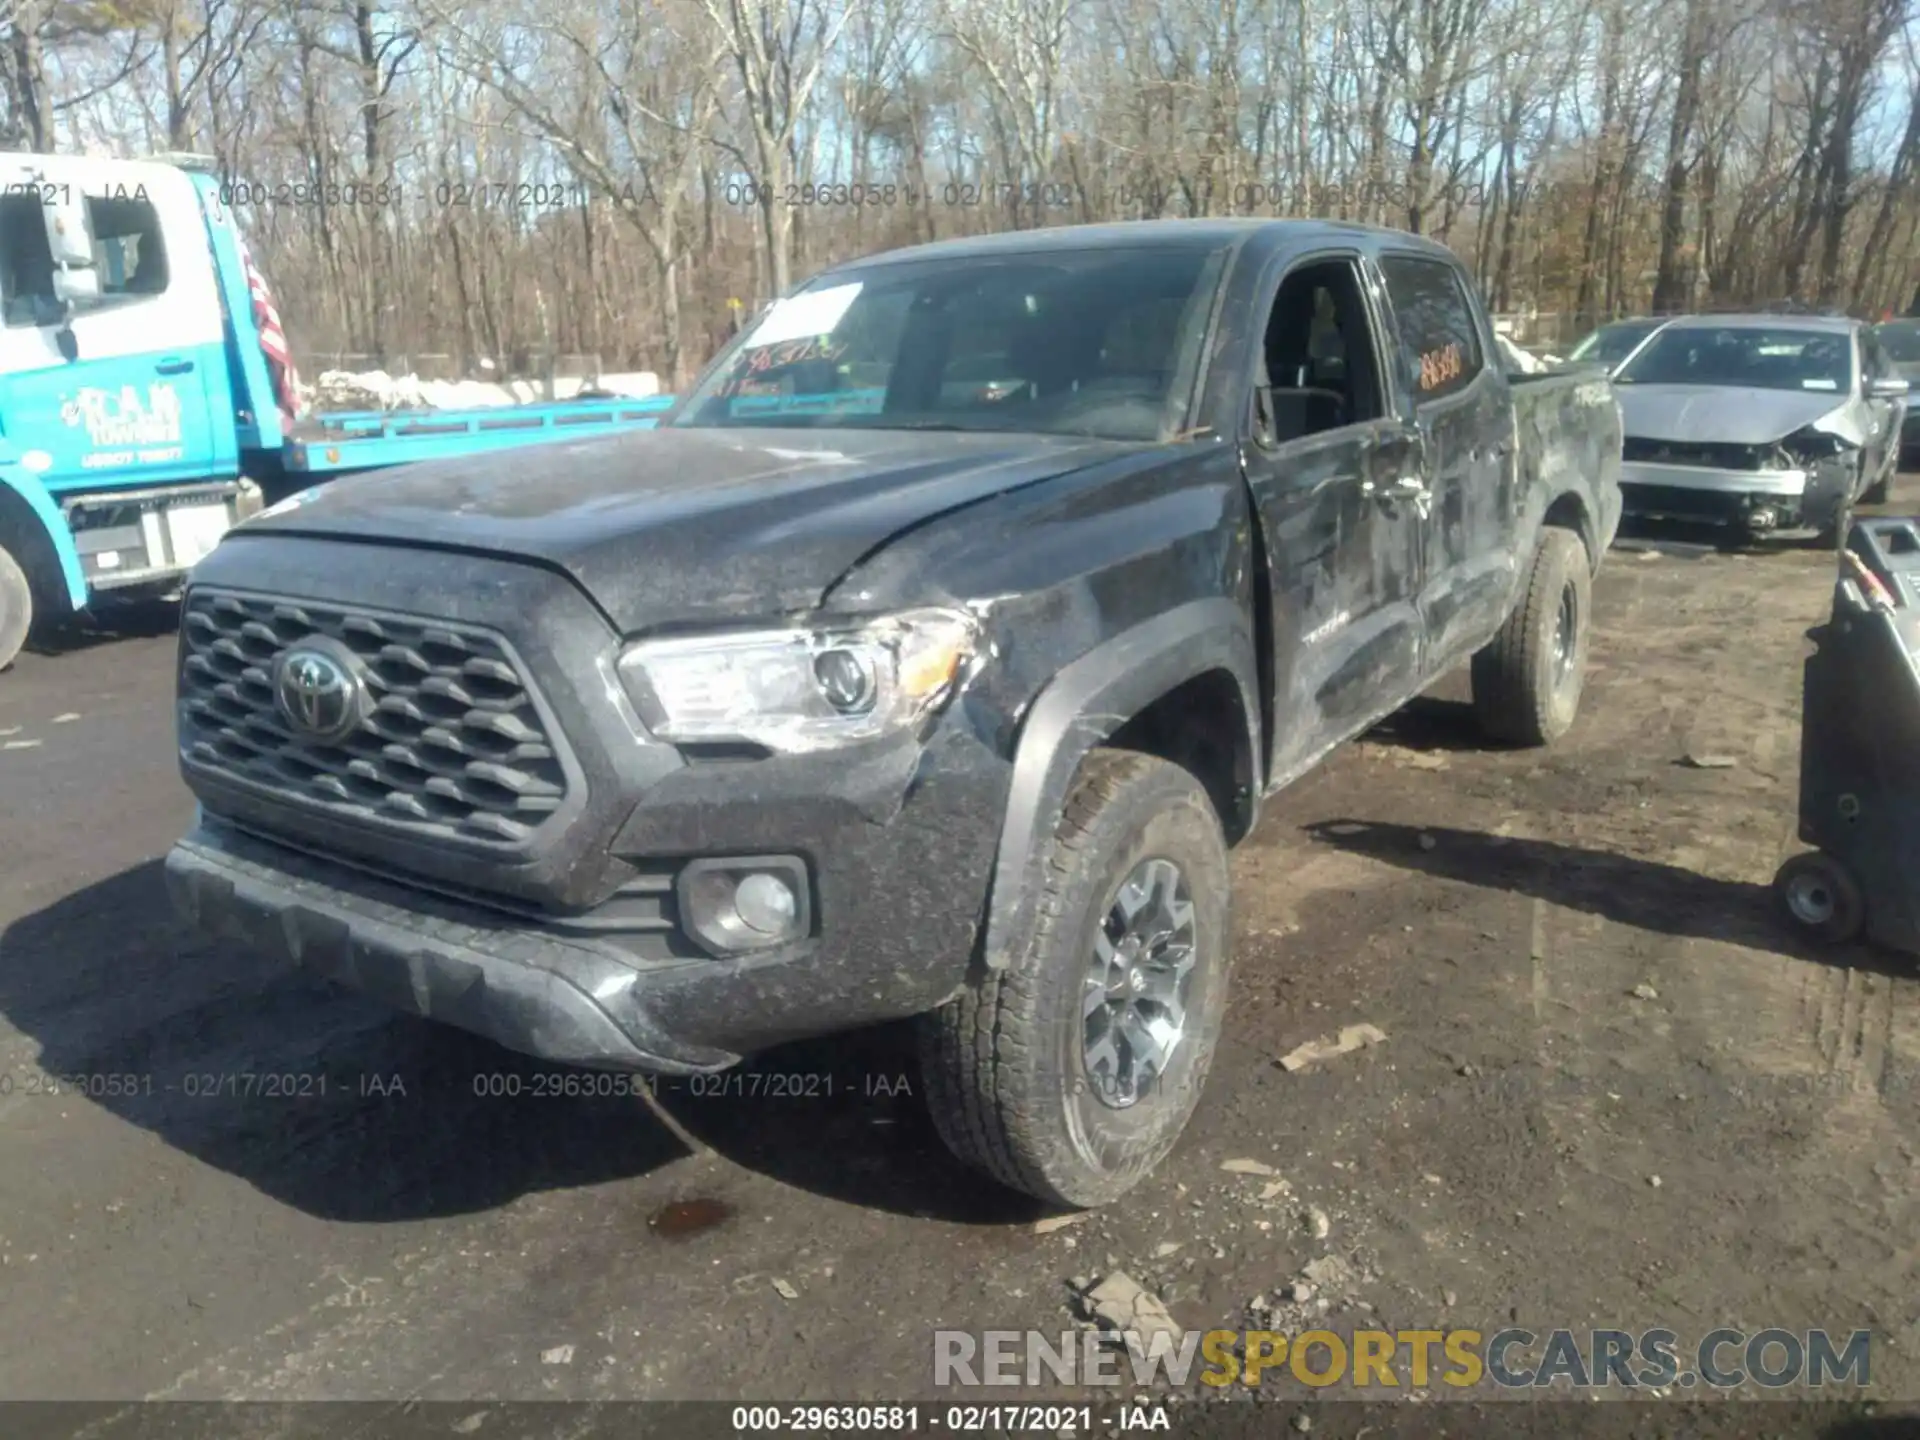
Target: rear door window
x=1439, y=340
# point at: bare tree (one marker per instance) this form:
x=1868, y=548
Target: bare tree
x=629, y=178
x=778, y=48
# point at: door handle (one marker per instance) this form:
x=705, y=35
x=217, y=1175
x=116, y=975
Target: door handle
x=174, y=367
x=1404, y=487
x=1409, y=488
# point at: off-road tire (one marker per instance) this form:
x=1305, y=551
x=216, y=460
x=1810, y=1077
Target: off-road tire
x=1003, y=1063
x=1517, y=696
x=16, y=608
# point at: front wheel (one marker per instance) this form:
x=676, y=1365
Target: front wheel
x=16, y=608
x=1070, y=1074
x=1527, y=681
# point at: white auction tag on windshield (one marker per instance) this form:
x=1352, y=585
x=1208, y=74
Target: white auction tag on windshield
x=804, y=317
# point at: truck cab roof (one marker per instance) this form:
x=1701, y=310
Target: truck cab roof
x=1226, y=230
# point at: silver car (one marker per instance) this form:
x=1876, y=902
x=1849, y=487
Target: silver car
x=1901, y=340
x=1759, y=422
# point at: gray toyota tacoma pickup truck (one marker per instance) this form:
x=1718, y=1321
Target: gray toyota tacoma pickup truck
x=927, y=661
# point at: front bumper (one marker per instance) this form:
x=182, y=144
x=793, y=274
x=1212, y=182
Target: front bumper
x=570, y=945
x=896, y=899
x=543, y=995
x=1758, y=499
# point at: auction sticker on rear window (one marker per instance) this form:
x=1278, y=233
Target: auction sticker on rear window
x=1437, y=367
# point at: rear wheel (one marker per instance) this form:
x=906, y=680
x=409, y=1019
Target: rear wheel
x=16, y=608
x=1073, y=1072
x=1528, y=680
x=1821, y=897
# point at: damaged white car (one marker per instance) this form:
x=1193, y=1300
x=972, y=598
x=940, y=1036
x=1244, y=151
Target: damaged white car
x=1758, y=422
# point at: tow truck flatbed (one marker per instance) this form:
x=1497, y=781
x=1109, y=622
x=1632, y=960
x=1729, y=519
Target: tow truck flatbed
x=346, y=440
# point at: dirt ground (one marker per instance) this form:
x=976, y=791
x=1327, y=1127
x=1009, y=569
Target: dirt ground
x=1613, y=1091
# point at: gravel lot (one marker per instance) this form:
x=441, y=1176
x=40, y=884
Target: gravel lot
x=1613, y=1091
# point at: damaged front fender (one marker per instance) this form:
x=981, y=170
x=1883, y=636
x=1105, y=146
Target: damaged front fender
x=1084, y=705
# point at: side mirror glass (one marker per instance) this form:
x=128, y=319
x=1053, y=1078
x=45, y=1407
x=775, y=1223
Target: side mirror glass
x=70, y=243
x=74, y=288
x=68, y=235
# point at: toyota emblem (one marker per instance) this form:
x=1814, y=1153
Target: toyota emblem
x=318, y=692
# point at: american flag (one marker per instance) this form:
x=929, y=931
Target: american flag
x=266, y=319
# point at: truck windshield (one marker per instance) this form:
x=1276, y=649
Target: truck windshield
x=1752, y=357
x=1103, y=343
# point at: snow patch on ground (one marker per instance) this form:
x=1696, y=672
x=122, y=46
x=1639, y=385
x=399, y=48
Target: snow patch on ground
x=1518, y=361
x=377, y=390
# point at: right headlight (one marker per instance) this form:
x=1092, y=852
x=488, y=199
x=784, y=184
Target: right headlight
x=797, y=690
x=1809, y=446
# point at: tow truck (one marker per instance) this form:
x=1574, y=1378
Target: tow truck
x=147, y=400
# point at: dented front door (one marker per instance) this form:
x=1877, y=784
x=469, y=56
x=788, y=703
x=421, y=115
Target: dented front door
x=1342, y=528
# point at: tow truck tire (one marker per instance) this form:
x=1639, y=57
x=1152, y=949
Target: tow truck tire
x=16, y=608
x=1006, y=1065
x=1527, y=681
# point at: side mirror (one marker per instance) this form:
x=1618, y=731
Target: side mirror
x=69, y=237
x=1886, y=387
x=77, y=287
x=70, y=242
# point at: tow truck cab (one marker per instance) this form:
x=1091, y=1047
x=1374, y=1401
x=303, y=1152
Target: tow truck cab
x=130, y=407
x=145, y=406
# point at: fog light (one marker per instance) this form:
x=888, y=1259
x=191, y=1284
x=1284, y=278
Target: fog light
x=752, y=903
x=766, y=904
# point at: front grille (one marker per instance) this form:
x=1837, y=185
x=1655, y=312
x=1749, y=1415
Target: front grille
x=1712, y=455
x=452, y=747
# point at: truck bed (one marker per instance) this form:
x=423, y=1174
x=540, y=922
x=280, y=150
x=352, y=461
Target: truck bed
x=1568, y=425
x=372, y=439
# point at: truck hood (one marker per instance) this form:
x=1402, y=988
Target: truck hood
x=1735, y=414
x=673, y=525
